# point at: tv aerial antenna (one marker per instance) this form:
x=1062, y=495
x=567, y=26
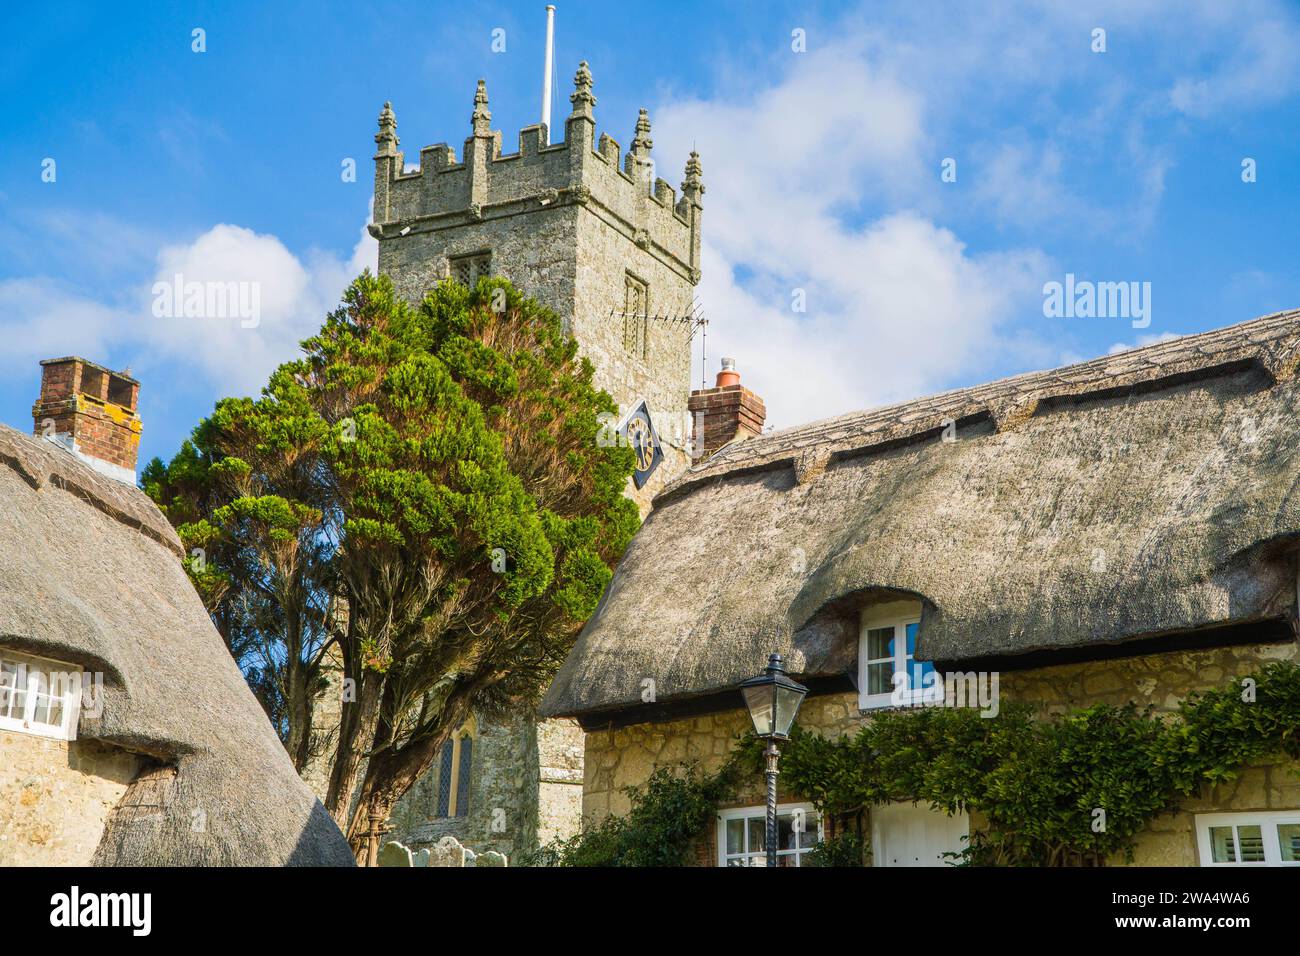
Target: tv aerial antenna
x=693, y=321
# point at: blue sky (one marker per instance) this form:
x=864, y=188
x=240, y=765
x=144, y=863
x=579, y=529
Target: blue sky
x=822, y=169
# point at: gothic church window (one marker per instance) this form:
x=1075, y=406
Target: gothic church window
x=467, y=270
x=455, y=773
x=462, y=777
x=444, y=778
x=636, y=317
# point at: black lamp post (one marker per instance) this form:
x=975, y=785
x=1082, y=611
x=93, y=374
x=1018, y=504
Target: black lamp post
x=772, y=700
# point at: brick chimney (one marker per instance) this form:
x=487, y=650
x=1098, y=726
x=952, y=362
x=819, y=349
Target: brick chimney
x=90, y=411
x=725, y=412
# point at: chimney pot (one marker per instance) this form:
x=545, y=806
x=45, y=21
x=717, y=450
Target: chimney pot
x=728, y=376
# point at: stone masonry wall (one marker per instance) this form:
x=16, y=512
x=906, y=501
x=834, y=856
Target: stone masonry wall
x=559, y=789
x=55, y=796
x=525, y=790
x=627, y=756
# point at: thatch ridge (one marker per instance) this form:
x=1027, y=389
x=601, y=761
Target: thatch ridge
x=1268, y=342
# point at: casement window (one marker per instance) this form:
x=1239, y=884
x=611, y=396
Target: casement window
x=742, y=835
x=467, y=270
x=39, y=696
x=455, y=771
x=1249, y=839
x=885, y=646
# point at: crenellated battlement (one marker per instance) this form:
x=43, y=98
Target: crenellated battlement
x=484, y=183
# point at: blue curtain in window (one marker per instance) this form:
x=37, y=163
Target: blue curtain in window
x=462, y=780
x=444, y=780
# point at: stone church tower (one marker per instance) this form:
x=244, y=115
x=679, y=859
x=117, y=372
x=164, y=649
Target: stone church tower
x=615, y=252
x=602, y=241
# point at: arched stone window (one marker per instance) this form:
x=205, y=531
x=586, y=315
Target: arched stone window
x=455, y=771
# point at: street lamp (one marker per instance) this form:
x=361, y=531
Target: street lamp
x=772, y=700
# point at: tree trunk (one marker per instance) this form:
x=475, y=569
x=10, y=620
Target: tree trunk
x=357, y=726
x=298, y=708
x=391, y=772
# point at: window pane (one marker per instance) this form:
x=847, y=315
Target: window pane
x=444, y=780
x=811, y=835
x=41, y=711
x=757, y=835
x=1222, y=849
x=735, y=836
x=1251, y=840
x=10, y=690
x=880, y=678
x=785, y=835
x=463, y=775
x=880, y=643
x=1288, y=835
x=918, y=671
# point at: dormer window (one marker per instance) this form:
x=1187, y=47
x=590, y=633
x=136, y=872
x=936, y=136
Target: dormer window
x=38, y=696
x=887, y=674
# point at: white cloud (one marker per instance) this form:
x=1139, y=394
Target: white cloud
x=41, y=317
x=896, y=306
x=1254, y=62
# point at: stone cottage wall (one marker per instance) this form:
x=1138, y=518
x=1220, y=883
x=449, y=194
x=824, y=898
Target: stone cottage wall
x=55, y=797
x=627, y=756
x=559, y=786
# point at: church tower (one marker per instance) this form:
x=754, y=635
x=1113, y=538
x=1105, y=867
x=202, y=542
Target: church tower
x=606, y=244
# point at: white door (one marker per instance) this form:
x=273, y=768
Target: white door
x=905, y=834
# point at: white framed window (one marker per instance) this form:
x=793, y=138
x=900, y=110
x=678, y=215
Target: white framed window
x=885, y=646
x=742, y=834
x=39, y=696
x=1265, y=838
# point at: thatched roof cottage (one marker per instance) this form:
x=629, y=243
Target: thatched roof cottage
x=1122, y=529
x=127, y=733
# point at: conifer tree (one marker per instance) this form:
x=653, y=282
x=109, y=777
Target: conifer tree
x=422, y=496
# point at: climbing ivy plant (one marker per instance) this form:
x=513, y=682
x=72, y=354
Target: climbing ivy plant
x=1073, y=788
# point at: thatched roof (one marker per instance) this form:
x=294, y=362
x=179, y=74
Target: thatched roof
x=1139, y=494
x=90, y=573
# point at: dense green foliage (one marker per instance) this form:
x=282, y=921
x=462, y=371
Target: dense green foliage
x=668, y=812
x=1069, y=789
x=421, y=497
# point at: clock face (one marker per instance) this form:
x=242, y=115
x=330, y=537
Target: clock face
x=641, y=442
x=639, y=432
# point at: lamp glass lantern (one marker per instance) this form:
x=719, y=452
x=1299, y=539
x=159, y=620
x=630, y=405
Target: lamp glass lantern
x=773, y=700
